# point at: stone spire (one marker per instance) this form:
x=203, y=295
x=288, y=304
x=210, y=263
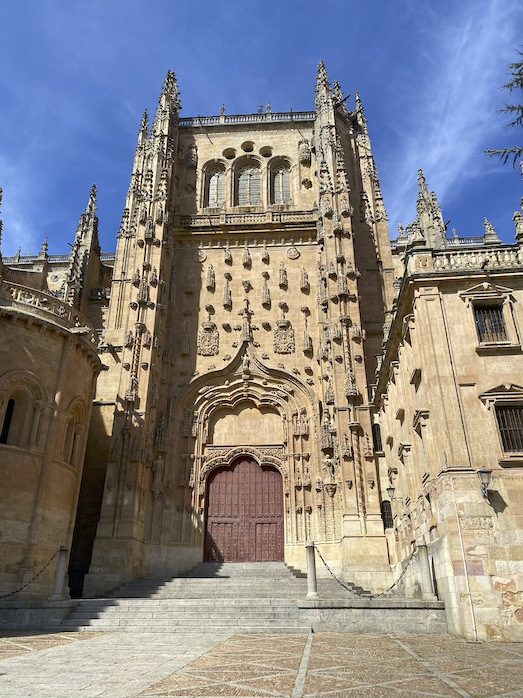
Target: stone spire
x=360, y=114
x=169, y=103
x=430, y=217
x=143, y=133
x=85, y=243
x=323, y=96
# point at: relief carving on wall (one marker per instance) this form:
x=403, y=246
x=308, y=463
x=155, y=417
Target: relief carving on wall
x=284, y=338
x=208, y=339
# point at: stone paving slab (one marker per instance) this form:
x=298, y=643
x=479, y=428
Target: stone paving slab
x=321, y=665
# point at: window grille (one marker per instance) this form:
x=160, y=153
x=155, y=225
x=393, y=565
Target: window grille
x=282, y=186
x=249, y=187
x=216, y=189
x=376, y=437
x=386, y=514
x=510, y=423
x=490, y=323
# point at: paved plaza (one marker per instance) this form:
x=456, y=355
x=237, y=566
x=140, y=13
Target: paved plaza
x=326, y=665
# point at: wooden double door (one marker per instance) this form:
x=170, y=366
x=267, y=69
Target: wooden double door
x=244, y=513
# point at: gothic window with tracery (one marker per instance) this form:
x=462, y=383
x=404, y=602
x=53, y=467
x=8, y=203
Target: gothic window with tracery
x=281, y=186
x=249, y=186
x=216, y=190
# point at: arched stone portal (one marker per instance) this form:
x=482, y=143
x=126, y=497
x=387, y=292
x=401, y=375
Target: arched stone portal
x=245, y=520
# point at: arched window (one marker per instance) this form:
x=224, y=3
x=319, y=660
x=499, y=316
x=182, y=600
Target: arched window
x=386, y=514
x=249, y=186
x=73, y=434
x=281, y=186
x=8, y=418
x=15, y=418
x=216, y=189
x=376, y=437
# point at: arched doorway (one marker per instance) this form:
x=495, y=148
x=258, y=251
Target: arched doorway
x=244, y=520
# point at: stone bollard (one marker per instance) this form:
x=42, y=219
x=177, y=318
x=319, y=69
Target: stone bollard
x=427, y=585
x=59, y=578
x=312, y=582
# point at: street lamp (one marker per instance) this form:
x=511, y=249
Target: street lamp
x=485, y=478
x=390, y=491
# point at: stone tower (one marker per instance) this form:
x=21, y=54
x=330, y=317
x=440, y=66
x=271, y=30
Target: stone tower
x=251, y=280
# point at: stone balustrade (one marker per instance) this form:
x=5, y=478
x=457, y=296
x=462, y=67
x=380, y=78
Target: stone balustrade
x=48, y=307
x=199, y=121
x=502, y=257
x=231, y=219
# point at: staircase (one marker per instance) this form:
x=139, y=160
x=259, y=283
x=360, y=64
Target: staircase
x=238, y=597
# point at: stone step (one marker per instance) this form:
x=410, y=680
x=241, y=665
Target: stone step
x=196, y=623
x=233, y=603
x=184, y=614
x=190, y=630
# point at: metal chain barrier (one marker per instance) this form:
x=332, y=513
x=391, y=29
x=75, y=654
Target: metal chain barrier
x=12, y=593
x=368, y=596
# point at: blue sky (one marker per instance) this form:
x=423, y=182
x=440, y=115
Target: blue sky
x=76, y=77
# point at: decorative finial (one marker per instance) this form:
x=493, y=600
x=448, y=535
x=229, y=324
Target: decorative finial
x=91, y=206
x=322, y=78
x=45, y=248
x=144, y=126
x=401, y=232
x=490, y=233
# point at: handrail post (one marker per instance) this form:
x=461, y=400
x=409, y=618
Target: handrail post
x=312, y=582
x=59, y=577
x=427, y=584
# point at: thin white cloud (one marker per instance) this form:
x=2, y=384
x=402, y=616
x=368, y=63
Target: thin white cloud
x=452, y=108
x=18, y=228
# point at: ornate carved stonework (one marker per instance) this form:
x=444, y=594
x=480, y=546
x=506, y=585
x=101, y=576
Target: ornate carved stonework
x=284, y=338
x=208, y=339
x=210, y=280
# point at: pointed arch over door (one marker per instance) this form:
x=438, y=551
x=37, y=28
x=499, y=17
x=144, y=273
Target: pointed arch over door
x=245, y=519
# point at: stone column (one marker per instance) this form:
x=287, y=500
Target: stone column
x=427, y=585
x=312, y=582
x=59, y=579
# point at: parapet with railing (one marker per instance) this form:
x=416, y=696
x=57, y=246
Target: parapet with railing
x=48, y=307
x=233, y=119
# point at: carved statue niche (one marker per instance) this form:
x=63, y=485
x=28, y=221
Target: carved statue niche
x=284, y=338
x=304, y=152
x=210, y=281
x=191, y=158
x=208, y=339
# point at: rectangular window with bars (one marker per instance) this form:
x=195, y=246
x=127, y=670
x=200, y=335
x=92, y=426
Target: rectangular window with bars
x=510, y=423
x=490, y=323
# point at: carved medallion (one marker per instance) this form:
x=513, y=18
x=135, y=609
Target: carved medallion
x=293, y=253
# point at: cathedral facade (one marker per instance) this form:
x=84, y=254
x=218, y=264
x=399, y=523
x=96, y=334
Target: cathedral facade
x=266, y=364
